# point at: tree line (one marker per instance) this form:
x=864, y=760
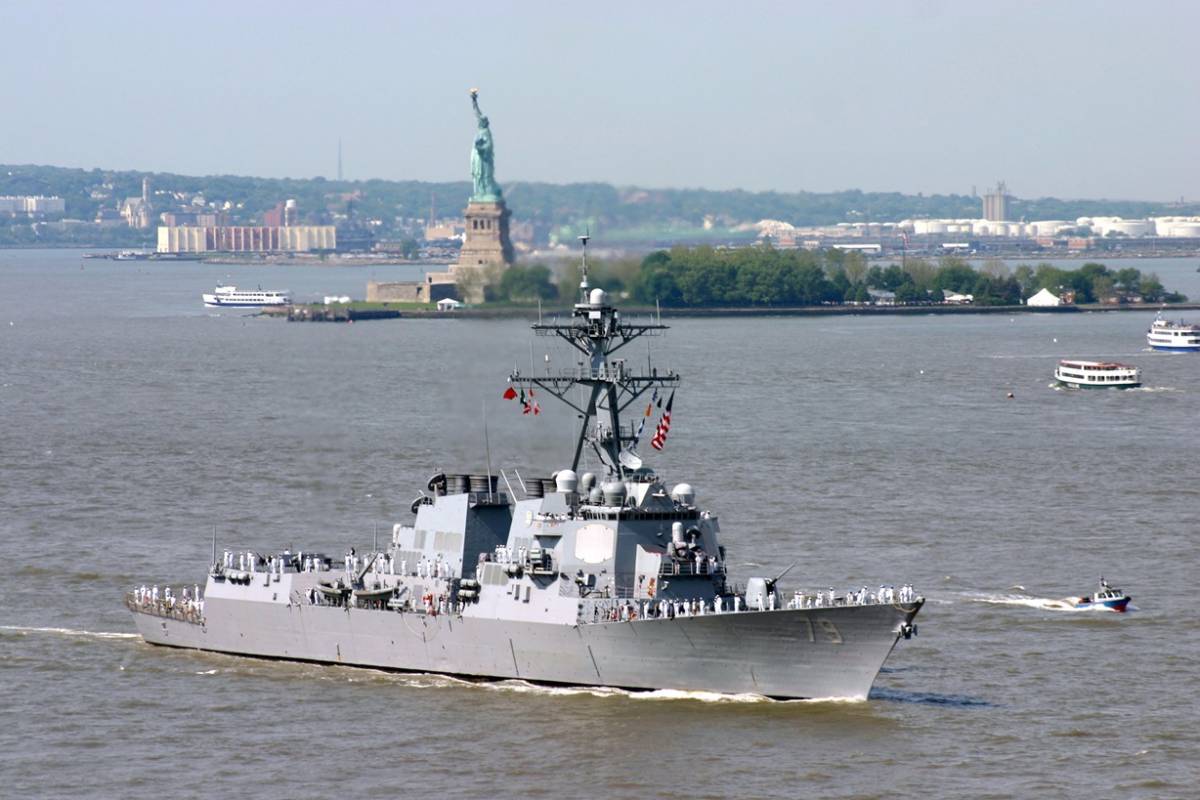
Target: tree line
x=765, y=276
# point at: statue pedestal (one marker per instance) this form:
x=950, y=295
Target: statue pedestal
x=486, y=246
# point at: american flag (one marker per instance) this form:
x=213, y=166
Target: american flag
x=664, y=426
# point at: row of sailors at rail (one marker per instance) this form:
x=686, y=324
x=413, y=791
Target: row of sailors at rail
x=668, y=609
x=274, y=565
x=252, y=562
x=384, y=564
x=854, y=597
x=696, y=563
x=246, y=562
x=187, y=599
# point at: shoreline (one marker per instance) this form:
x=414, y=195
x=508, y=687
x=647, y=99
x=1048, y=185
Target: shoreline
x=803, y=311
x=369, y=257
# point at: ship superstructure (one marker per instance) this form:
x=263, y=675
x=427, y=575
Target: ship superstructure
x=609, y=578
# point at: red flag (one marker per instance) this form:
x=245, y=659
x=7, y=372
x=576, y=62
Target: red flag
x=536, y=408
x=510, y=393
x=664, y=426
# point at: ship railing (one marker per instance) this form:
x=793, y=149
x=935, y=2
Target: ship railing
x=828, y=598
x=689, y=568
x=190, y=611
x=622, y=604
x=628, y=609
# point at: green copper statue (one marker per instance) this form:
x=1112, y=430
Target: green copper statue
x=483, y=168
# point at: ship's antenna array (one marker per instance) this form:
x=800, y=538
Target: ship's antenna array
x=607, y=386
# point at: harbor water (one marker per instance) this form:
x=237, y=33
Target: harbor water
x=136, y=425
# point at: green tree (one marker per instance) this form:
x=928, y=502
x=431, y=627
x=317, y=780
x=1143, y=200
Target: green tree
x=1151, y=288
x=1102, y=287
x=922, y=271
x=956, y=275
x=894, y=278
x=855, y=267
x=527, y=284
x=1129, y=279
x=907, y=293
x=1023, y=275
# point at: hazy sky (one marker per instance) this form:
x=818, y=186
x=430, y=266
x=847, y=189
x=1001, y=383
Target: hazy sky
x=1069, y=99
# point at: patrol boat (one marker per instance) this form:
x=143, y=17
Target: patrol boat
x=612, y=580
x=1106, y=596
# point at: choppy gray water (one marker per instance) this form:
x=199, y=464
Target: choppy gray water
x=869, y=449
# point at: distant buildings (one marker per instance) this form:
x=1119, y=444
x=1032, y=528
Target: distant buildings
x=137, y=211
x=247, y=239
x=33, y=205
x=279, y=233
x=284, y=214
x=1076, y=234
x=200, y=219
x=995, y=204
x=444, y=229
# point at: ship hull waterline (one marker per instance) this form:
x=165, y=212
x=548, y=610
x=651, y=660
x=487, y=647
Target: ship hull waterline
x=812, y=653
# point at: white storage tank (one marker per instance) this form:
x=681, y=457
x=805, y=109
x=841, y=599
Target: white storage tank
x=1188, y=229
x=1132, y=227
x=1048, y=227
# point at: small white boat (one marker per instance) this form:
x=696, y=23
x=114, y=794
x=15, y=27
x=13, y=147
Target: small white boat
x=1097, y=375
x=1173, y=337
x=233, y=297
x=1106, y=596
x=131, y=255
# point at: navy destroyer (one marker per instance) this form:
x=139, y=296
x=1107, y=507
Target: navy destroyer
x=606, y=578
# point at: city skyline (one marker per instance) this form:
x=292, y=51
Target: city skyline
x=927, y=98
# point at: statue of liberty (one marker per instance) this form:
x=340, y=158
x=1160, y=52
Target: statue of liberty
x=483, y=151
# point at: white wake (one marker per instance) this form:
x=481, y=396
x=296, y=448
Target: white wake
x=70, y=632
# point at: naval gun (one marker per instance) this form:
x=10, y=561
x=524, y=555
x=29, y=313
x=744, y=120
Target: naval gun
x=761, y=594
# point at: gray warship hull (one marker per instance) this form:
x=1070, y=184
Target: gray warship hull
x=833, y=652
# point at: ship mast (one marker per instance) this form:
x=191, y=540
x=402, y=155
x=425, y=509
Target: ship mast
x=597, y=330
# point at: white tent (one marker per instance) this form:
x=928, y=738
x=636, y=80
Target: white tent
x=448, y=304
x=1044, y=298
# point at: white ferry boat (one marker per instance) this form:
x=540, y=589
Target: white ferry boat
x=1097, y=375
x=1173, y=337
x=233, y=297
